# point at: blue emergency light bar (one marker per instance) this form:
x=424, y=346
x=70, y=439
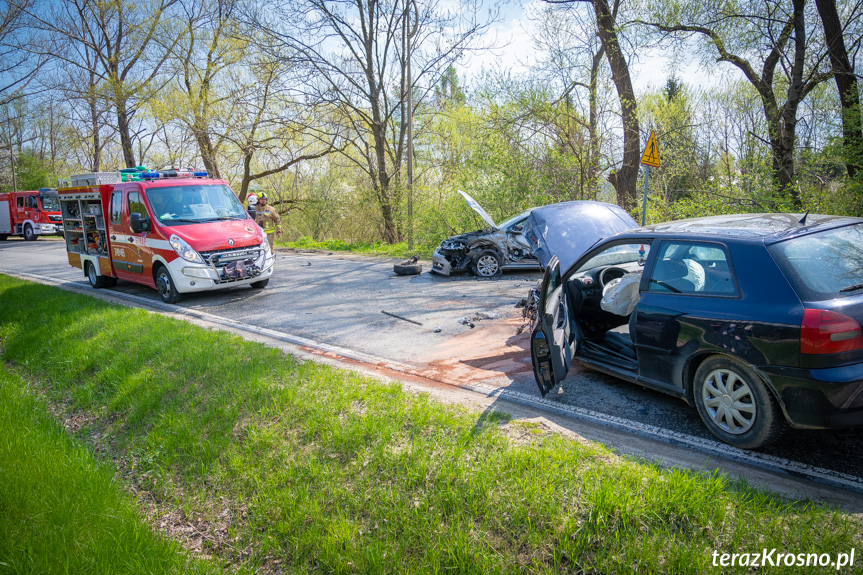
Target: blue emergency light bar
x=172, y=174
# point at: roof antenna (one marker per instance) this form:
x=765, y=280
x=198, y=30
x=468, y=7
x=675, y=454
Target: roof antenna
x=802, y=220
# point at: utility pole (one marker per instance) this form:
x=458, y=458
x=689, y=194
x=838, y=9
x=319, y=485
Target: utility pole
x=410, y=117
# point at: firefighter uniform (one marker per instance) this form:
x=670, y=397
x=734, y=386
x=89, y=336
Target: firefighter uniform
x=268, y=218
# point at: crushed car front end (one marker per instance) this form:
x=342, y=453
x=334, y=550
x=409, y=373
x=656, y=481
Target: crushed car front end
x=456, y=254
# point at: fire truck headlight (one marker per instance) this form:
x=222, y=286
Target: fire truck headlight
x=184, y=250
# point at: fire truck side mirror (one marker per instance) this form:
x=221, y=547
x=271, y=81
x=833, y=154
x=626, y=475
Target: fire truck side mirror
x=139, y=223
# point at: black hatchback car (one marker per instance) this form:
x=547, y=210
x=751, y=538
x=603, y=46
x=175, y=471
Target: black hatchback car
x=754, y=319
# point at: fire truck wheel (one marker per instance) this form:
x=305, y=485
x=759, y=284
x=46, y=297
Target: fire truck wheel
x=29, y=234
x=96, y=281
x=3, y=237
x=260, y=284
x=167, y=291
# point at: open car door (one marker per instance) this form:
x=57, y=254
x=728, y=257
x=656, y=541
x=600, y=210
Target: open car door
x=550, y=340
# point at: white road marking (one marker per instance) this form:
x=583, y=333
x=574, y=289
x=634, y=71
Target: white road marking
x=708, y=446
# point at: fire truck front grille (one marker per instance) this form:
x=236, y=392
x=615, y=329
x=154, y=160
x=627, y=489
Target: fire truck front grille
x=234, y=265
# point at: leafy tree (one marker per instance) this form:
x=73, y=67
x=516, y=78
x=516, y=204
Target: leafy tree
x=846, y=84
x=762, y=40
x=33, y=172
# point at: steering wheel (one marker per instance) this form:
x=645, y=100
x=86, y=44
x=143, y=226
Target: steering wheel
x=609, y=274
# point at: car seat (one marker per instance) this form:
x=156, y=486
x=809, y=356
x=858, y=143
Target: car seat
x=671, y=273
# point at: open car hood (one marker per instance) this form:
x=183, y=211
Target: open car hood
x=569, y=229
x=478, y=209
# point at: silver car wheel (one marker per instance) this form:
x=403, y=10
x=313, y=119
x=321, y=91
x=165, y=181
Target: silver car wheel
x=729, y=401
x=487, y=265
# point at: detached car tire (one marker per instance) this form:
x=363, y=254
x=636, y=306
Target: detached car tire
x=406, y=269
x=487, y=264
x=165, y=286
x=735, y=404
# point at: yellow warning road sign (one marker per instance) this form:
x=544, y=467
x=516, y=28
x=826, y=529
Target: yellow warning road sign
x=650, y=157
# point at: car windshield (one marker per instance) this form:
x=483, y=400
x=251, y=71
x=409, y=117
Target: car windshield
x=505, y=225
x=50, y=202
x=192, y=204
x=824, y=265
x=616, y=255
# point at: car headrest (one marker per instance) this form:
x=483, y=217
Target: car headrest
x=670, y=270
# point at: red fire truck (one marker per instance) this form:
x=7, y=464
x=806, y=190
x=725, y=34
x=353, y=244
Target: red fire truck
x=176, y=231
x=29, y=214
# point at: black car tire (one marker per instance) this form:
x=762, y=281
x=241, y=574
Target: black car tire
x=3, y=237
x=29, y=234
x=97, y=281
x=487, y=264
x=165, y=286
x=755, y=419
x=406, y=269
x=260, y=284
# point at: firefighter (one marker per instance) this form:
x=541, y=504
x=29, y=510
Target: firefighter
x=268, y=218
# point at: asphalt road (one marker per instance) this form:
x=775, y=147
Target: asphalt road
x=339, y=300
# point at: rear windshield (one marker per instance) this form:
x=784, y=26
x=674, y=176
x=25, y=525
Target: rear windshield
x=824, y=265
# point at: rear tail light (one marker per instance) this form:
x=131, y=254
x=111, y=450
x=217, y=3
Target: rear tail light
x=825, y=331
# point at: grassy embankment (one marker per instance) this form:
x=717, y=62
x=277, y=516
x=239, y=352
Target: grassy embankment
x=300, y=467
x=399, y=250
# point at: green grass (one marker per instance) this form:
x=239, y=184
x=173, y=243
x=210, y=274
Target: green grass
x=299, y=467
x=399, y=250
x=61, y=511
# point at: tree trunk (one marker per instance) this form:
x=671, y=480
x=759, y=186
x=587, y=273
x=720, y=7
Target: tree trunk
x=593, y=158
x=125, y=136
x=208, y=156
x=97, y=143
x=846, y=83
x=623, y=179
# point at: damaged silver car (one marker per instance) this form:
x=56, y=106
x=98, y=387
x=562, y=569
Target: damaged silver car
x=486, y=252
x=527, y=240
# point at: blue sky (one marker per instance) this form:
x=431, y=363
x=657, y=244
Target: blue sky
x=650, y=69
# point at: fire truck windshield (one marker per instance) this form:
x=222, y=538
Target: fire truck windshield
x=50, y=202
x=193, y=204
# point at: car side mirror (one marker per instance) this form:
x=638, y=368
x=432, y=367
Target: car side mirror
x=139, y=223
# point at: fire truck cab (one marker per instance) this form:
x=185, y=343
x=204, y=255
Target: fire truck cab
x=177, y=232
x=29, y=214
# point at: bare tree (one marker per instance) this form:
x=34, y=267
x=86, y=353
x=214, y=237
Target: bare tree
x=128, y=43
x=624, y=178
x=355, y=55
x=571, y=63
x=274, y=130
x=18, y=63
x=211, y=44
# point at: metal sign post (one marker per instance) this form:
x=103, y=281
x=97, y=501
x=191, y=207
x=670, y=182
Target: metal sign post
x=649, y=158
x=644, y=203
